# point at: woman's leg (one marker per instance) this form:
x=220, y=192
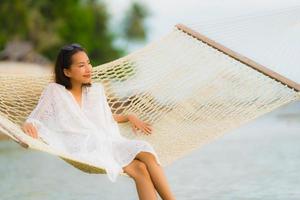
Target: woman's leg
x=157, y=175
x=138, y=171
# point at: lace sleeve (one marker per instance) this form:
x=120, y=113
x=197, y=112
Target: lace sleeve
x=107, y=108
x=44, y=108
x=112, y=124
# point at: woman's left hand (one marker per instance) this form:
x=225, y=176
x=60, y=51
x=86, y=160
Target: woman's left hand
x=138, y=124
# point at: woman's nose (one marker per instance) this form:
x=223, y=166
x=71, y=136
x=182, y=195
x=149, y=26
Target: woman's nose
x=89, y=68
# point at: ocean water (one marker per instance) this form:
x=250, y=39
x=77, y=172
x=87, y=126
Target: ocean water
x=258, y=161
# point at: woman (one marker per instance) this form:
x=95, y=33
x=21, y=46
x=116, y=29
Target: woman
x=73, y=115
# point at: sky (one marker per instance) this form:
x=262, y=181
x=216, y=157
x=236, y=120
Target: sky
x=167, y=13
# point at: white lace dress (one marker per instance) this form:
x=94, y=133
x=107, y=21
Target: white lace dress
x=88, y=131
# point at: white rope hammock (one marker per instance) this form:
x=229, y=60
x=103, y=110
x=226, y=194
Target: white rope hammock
x=189, y=87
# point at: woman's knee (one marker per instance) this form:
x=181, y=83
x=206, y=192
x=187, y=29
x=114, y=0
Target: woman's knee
x=136, y=169
x=141, y=168
x=147, y=157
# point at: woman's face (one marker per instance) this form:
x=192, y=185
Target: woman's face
x=80, y=69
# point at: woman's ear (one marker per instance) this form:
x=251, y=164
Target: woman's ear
x=66, y=72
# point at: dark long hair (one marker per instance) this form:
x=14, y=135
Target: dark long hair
x=64, y=61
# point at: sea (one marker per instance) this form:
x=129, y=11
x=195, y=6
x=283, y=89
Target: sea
x=258, y=161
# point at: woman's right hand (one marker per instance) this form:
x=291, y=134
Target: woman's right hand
x=30, y=130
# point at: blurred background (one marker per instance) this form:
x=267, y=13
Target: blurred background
x=260, y=160
x=33, y=31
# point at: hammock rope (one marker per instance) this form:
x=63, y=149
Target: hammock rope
x=189, y=87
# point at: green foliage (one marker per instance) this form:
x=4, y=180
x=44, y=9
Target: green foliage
x=134, y=28
x=13, y=19
x=49, y=24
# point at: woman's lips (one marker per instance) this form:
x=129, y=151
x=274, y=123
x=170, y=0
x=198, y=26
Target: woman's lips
x=87, y=76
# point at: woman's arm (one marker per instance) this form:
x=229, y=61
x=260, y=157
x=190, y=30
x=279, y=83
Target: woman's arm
x=122, y=118
x=136, y=123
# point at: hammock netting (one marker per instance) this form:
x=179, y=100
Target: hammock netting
x=191, y=89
